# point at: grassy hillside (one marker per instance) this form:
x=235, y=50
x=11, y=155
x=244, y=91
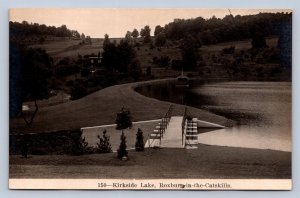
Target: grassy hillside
x=252, y=65
x=101, y=108
x=59, y=49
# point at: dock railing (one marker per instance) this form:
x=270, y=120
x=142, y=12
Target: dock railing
x=165, y=122
x=183, y=126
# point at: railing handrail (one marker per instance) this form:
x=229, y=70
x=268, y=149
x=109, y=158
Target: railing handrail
x=164, y=123
x=183, y=124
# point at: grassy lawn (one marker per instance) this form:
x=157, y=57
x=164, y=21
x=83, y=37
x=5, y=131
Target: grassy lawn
x=204, y=162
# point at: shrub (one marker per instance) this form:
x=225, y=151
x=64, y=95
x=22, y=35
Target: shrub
x=104, y=146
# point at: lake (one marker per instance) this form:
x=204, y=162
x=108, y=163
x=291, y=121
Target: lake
x=262, y=111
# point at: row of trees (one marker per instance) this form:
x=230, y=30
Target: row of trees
x=20, y=31
x=229, y=28
x=215, y=30
x=144, y=33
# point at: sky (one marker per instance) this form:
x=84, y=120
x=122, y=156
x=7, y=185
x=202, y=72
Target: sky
x=96, y=22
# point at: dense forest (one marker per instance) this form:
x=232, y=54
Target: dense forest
x=230, y=28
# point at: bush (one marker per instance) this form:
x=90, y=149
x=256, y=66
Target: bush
x=78, y=145
x=104, y=146
x=139, y=145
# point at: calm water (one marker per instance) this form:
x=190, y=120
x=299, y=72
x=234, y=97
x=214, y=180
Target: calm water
x=261, y=109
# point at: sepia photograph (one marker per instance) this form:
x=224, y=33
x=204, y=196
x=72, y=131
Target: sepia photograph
x=150, y=99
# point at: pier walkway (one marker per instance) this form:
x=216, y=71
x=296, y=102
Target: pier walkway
x=177, y=131
x=173, y=135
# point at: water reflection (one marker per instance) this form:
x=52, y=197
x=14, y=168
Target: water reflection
x=262, y=110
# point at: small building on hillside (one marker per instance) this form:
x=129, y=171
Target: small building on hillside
x=95, y=61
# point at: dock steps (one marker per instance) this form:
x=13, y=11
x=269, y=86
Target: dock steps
x=191, y=134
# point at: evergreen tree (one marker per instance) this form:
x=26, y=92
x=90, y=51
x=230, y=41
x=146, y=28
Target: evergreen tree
x=104, y=146
x=122, y=152
x=123, y=119
x=139, y=145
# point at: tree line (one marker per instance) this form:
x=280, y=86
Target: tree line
x=229, y=28
x=19, y=31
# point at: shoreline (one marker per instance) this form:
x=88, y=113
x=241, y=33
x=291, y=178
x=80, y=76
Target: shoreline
x=100, y=108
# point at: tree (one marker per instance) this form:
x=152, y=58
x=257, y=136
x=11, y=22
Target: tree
x=122, y=152
x=30, y=71
x=82, y=36
x=123, y=119
x=110, y=56
x=104, y=146
x=189, y=53
x=145, y=33
x=139, y=145
x=78, y=90
x=135, y=69
x=106, y=41
x=135, y=33
x=158, y=30
x=128, y=37
x=118, y=58
x=75, y=33
x=125, y=54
